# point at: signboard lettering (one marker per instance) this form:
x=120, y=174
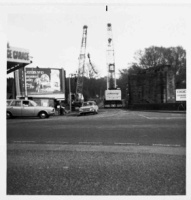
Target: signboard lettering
x=18, y=55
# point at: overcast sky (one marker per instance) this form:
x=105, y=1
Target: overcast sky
x=53, y=33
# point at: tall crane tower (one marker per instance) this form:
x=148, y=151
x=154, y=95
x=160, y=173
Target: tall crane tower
x=78, y=98
x=82, y=57
x=111, y=80
x=112, y=94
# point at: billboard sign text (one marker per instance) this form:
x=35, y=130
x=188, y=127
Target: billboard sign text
x=18, y=55
x=181, y=95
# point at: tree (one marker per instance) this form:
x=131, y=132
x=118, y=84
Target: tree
x=173, y=56
x=155, y=56
x=122, y=82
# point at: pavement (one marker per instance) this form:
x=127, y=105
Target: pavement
x=75, y=113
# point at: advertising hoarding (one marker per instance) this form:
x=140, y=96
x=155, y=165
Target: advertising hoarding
x=42, y=82
x=113, y=95
x=180, y=94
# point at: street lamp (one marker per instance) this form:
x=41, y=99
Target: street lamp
x=70, y=99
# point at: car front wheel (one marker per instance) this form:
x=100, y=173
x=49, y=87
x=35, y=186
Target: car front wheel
x=43, y=115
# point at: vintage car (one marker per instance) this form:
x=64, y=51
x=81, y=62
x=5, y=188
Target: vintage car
x=27, y=108
x=88, y=107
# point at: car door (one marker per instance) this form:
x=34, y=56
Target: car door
x=27, y=108
x=15, y=108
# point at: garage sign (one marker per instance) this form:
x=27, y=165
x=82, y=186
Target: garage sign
x=18, y=55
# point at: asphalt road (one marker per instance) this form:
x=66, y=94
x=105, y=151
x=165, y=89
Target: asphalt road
x=108, y=127
x=116, y=152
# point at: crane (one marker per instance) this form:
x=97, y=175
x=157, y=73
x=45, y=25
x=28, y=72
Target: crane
x=80, y=74
x=111, y=80
x=78, y=98
x=112, y=94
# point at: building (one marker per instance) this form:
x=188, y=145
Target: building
x=17, y=58
x=154, y=85
x=46, y=86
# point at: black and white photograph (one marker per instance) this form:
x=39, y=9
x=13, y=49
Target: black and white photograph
x=96, y=97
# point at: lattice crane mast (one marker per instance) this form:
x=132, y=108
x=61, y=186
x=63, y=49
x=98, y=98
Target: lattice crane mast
x=112, y=94
x=82, y=57
x=111, y=80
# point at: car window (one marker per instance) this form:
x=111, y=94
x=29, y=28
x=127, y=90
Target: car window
x=16, y=103
x=32, y=103
x=90, y=103
x=85, y=104
x=26, y=103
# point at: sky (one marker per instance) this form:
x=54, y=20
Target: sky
x=53, y=32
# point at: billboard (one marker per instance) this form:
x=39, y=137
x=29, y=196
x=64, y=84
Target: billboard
x=42, y=82
x=112, y=94
x=180, y=94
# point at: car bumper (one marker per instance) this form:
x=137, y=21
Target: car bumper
x=87, y=111
x=51, y=113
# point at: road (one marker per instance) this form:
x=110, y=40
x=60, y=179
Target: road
x=117, y=152
x=108, y=127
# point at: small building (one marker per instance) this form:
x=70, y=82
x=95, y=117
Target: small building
x=46, y=86
x=17, y=58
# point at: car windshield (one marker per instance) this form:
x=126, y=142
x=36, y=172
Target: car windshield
x=87, y=104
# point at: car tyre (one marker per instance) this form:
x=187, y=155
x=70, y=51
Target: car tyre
x=9, y=115
x=43, y=115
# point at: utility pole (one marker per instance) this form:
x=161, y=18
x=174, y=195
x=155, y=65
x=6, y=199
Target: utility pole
x=25, y=83
x=70, y=94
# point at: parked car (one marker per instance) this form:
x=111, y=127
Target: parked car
x=88, y=107
x=29, y=108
